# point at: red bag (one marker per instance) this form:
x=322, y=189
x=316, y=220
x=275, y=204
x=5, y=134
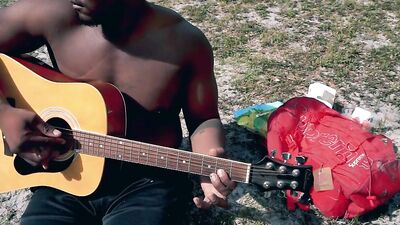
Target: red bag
x=355, y=171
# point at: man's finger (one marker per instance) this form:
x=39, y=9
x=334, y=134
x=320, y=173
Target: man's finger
x=220, y=188
x=216, y=152
x=225, y=180
x=202, y=203
x=31, y=158
x=35, y=140
x=45, y=128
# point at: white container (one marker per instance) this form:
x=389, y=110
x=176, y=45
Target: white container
x=322, y=92
x=361, y=115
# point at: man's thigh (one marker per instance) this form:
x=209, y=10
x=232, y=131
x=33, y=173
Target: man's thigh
x=53, y=207
x=153, y=203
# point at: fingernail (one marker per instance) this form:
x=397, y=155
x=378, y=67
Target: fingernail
x=45, y=165
x=220, y=172
x=212, y=176
x=56, y=132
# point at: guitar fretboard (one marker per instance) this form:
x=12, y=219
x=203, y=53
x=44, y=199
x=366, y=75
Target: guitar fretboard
x=157, y=156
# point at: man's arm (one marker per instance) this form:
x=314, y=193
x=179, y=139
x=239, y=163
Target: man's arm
x=204, y=125
x=25, y=25
x=21, y=27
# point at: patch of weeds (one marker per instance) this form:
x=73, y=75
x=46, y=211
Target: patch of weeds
x=270, y=80
x=226, y=45
x=385, y=58
x=262, y=10
x=251, y=29
x=274, y=37
x=238, y=1
x=6, y=2
x=197, y=13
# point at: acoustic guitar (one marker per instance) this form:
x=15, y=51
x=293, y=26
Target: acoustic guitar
x=93, y=117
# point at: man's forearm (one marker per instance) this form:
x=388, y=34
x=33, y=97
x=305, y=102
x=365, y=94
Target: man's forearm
x=208, y=135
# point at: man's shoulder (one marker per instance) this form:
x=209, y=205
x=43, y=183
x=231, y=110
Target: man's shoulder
x=181, y=28
x=46, y=12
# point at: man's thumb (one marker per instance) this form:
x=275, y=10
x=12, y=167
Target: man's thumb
x=48, y=130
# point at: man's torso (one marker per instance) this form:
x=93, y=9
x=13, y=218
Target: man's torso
x=149, y=69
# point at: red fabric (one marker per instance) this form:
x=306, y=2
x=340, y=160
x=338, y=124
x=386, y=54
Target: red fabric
x=364, y=168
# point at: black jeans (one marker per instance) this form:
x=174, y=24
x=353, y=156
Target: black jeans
x=128, y=194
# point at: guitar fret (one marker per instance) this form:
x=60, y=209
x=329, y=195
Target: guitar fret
x=208, y=167
x=157, y=153
x=183, y=161
x=190, y=162
x=216, y=166
x=152, y=157
x=130, y=153
x=178, y=161
x=115, y=144
x=202, y=165
x=166, y=160
x=172, y=160
x=195, y=164
x=147, y=157
x=161, y=158
x=99, y=147
x=138, y=155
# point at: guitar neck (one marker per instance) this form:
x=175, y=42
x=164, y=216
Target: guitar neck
x=157, y=156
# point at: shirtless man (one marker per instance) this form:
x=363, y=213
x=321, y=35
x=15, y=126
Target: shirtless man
x=154, y=56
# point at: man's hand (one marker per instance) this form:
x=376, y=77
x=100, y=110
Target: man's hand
x=29, y=136
x=216, y=188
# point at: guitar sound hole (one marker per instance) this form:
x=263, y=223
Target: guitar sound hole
x=58, y=164
x=24, y=168
x=66, y=131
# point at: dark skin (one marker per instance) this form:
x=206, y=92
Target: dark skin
x=149, y=52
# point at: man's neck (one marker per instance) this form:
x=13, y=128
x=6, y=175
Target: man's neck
x=126, y=21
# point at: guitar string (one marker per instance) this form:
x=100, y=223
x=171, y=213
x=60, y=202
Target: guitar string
x=176, y=156
x=154, y=157
x=152, y=154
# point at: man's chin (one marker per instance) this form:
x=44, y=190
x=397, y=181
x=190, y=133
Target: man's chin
x=87, y=20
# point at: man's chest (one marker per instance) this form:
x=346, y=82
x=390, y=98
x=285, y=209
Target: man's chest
x=144, y=72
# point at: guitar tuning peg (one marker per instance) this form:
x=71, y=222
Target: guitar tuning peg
x=280, y=184
x=286, y=156
x=267, y=184
x=273, y=153
x=282, y=169
x=301, y=160
x=296, y=172
x=294, y=184
x=269, y=165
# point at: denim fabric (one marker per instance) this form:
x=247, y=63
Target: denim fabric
x=128, y=195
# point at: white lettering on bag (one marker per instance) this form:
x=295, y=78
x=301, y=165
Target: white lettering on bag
x=343, y=150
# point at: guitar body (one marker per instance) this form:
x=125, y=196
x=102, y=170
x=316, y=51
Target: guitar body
x=96, y=107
